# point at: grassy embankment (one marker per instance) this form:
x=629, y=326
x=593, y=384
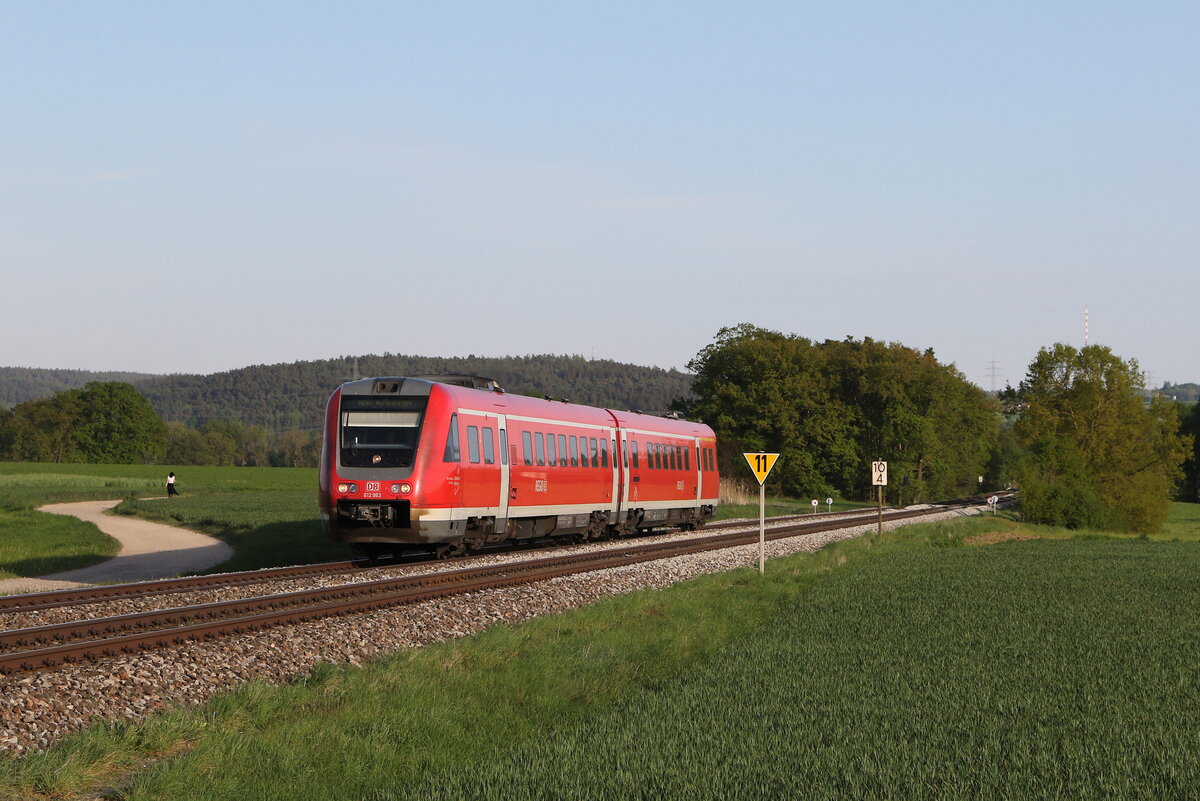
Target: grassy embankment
x=269, y=515
x=908, y=666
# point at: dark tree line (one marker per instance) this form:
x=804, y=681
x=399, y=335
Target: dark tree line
x=105, y=422
x=113, y=423
x=831, y=408
x=20, y=384
x=280, y=397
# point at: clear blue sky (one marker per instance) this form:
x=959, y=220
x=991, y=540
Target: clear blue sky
x=197, y=187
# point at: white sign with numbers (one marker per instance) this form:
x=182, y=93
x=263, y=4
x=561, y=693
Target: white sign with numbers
x=879, y=474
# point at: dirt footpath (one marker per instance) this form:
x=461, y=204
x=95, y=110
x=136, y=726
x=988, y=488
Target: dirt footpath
x=148, y=551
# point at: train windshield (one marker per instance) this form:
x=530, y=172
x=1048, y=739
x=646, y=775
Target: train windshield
x=380, y=431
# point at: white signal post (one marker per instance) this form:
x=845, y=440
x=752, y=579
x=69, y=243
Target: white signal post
x=879, y=479
x=761, y=464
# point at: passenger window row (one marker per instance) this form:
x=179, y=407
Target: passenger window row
x=564, y=450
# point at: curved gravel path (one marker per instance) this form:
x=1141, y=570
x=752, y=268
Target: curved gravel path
x=148, y=551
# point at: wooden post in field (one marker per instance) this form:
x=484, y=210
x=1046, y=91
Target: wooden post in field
x=879, y=479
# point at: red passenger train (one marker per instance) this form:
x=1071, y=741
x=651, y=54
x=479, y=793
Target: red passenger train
x=454, y=463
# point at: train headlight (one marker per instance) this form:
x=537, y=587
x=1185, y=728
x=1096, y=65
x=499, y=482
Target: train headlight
x=405, y=488
x=395, y=489
x=353, y=488
x=343, y=487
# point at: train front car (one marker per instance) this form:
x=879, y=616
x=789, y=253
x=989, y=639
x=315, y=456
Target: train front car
x=375, y=481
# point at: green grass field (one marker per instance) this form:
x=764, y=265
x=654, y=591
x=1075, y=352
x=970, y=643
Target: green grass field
x=912, y=666
x=269, y=515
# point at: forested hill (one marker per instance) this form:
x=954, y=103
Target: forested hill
x=19, y=384
x=290, y=396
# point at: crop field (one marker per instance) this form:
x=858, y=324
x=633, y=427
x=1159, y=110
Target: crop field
x=1033, y=664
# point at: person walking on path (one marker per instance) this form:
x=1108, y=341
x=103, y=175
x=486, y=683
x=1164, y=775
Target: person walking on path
x=171, y=485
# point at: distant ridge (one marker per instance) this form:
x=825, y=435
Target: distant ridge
x=19, y=384
x=289, y=396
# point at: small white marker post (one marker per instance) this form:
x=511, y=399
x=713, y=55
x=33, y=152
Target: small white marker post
x=761, y=464
x=829, y=503
x=879, y=479
x=992, y=501
x=815, y=505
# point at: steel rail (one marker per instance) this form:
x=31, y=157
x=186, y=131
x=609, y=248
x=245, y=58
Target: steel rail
x=53, y=599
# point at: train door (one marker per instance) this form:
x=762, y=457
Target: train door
x=623, y=473
x=699, y=466
x=502, y=512
x=615, y=504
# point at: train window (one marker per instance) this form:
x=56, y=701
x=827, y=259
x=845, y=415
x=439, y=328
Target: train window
x=671, y=463
x=562, y=450
x=379, y=431
x=527, y=446
x=687, y=457
x=658, y=456
x=625, y=453
x=633, y=451
x=574, y=452
x=595, y=453
x=551, y=451
x=451, y=454
x=473, y=444
x=489, y=446
x=503, y=446
x=540, y=439
x=604, y=452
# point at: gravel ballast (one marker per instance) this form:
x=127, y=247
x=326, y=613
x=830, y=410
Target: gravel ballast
x=37, y=710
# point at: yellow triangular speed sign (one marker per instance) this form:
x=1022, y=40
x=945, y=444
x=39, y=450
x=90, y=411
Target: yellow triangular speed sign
x=761, y=464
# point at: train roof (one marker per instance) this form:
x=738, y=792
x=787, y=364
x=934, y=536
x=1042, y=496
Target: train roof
x=490, y=395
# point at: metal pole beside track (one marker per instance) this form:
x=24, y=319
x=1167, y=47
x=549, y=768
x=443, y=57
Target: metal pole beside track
x=762, y=529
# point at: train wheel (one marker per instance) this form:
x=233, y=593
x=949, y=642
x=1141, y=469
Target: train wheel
x=449, y=550
x=370, y=551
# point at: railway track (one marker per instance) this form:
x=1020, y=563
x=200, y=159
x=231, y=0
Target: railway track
x=54, y=599
x=44, y=647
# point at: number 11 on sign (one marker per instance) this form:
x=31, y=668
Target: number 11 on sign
x=761, y=464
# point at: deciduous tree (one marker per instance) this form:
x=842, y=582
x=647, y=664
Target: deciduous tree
x=1098, y=456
